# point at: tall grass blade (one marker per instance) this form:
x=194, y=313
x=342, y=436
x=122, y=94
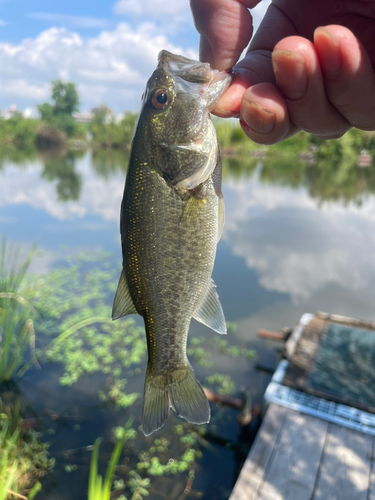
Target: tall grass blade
x=93, y=490
x=97, y=489
x=16, y=325
x=34, y=490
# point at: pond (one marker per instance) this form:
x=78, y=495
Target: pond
x=297, y=239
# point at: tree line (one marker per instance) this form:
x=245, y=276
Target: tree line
x=57, y=126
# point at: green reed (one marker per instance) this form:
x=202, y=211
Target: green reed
x=16, y=313
x=99, y=489
x=10, y=467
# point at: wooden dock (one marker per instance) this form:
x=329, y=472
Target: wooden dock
x=299, y=457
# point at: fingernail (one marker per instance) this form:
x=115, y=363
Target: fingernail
x=330, y=60
x=257, y=117
x=290, y=72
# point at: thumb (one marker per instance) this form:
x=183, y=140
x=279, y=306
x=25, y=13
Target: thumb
x=225, y=27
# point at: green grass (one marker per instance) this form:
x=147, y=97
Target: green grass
x=16, y=313
x=12, y=467
x=100, y=489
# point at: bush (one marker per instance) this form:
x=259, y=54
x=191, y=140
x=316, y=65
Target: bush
x=18, y=131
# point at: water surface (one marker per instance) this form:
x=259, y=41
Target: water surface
x=293, y=242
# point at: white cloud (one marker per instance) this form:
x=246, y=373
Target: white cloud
x=117, y=62
x=67, y=20
x=2, y=23
x=20, y=88
x=172, y=17
x=152, y=8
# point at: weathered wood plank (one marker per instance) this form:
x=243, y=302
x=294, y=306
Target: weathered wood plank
x=345, y=468
x=295, y=463
x=252, y=473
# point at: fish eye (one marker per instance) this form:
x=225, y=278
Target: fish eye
x=160, y=99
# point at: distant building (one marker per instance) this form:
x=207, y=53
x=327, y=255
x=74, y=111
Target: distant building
x=83, y=117
x=5, y=114
x=9, y=113
x=104, y=113
x=101, y=112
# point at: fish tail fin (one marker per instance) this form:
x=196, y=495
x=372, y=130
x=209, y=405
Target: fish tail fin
x=180, y=390
x=187, y=397
x=155, y=402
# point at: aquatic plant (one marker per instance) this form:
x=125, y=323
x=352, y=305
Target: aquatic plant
x=75, y=305
x=135, y=476
x=9, y=469
x=99, y=490
x=16, y=313
x=102, y=490
x=23, y=457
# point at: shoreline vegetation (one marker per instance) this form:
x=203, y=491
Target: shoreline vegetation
x=59, y=127
x=331, y=170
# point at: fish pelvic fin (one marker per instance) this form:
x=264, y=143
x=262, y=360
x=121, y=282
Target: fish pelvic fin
x=180, y=390
x=123, y=304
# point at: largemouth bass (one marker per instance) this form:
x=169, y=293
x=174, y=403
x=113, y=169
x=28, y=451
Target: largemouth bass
x=172, y=215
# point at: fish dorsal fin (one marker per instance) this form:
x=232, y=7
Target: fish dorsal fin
x=123, y=303
x=210, y=312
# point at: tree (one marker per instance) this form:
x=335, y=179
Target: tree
x=60, y=114
x=46, y=111
x=65, y=97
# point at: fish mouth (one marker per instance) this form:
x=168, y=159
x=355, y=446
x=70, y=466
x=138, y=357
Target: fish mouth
x=187, y=72
x=187, y=69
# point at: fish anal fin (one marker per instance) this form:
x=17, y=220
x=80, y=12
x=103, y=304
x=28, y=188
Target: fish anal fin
x=210, y=311
x=123, y=303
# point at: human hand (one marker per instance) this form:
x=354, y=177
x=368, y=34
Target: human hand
x=297, y=74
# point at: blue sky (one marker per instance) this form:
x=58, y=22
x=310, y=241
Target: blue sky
x=109, y=49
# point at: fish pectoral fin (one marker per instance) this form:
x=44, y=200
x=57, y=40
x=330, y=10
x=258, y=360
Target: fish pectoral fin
x=123, y=303
x=210, y=311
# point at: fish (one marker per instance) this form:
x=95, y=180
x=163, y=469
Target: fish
x=172, y=217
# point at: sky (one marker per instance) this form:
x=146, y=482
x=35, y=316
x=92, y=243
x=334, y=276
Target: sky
x=107, y=48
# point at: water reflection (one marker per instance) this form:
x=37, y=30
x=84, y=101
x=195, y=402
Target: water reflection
x=107, y=163
x=273, y=222
x=329, y=174
x=60, y=166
